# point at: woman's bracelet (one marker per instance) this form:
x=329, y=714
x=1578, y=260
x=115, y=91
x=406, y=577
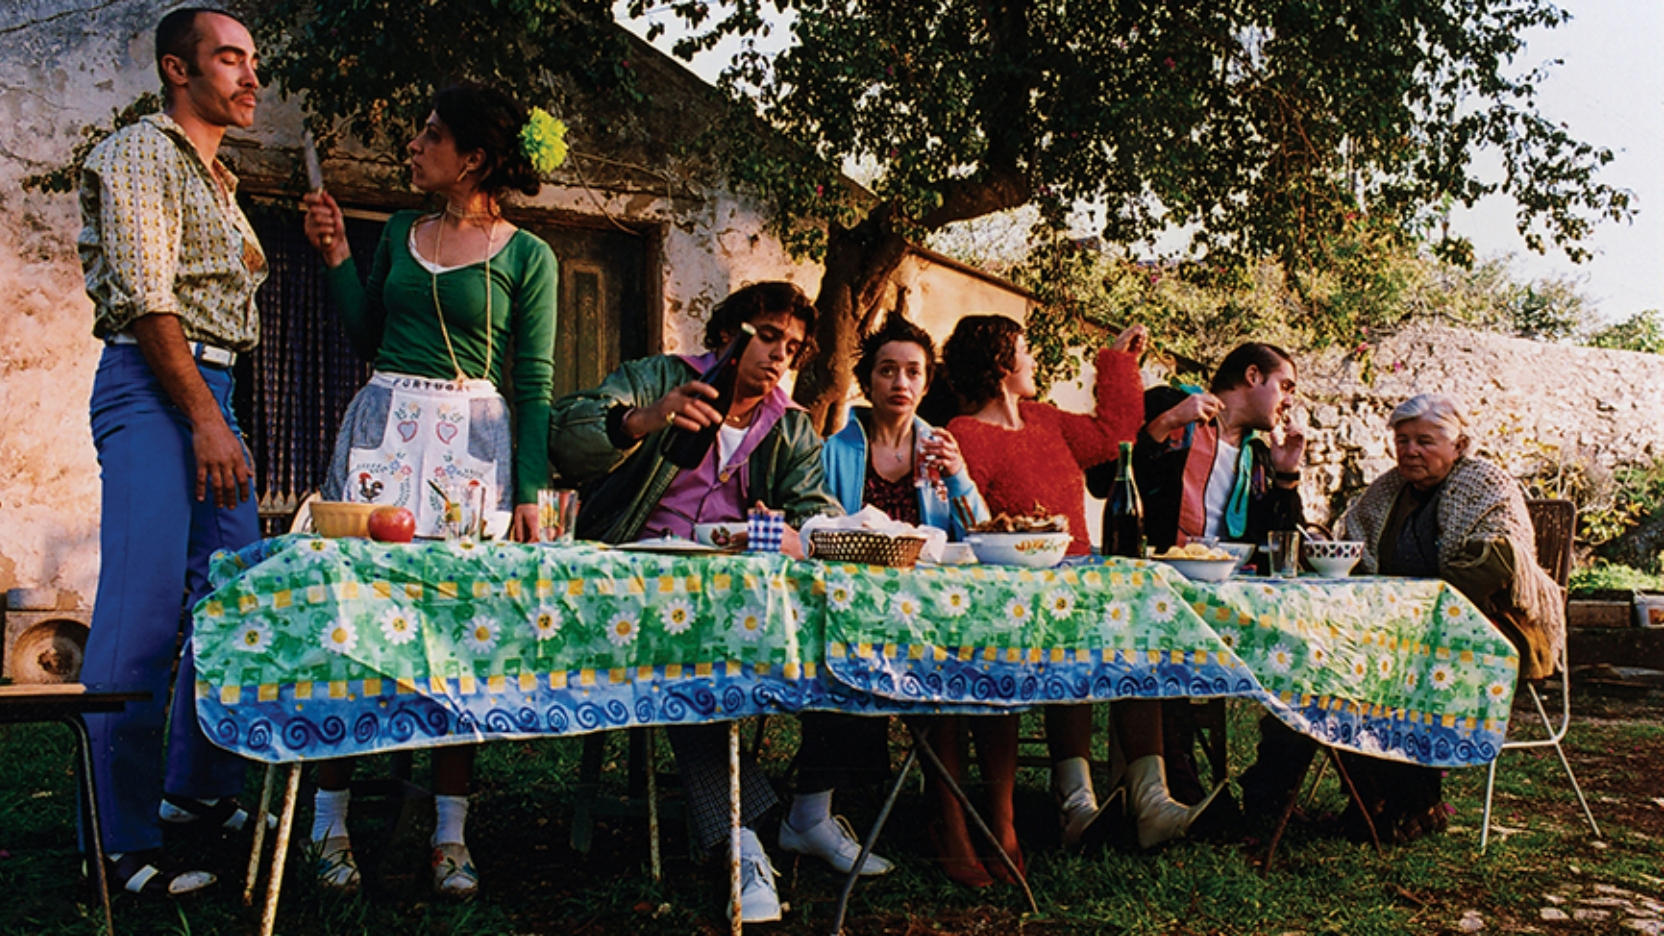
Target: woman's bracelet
x=1287, y=476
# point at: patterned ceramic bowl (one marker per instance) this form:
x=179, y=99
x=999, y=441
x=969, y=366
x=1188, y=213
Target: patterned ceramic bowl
x=720, y=535
x=1033, y=550
x=1333, y=558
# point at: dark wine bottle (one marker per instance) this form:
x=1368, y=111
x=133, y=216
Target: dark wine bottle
x=1124, y=511
x=686, y=448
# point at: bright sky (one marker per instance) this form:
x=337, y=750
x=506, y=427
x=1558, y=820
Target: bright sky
x=1609, y=90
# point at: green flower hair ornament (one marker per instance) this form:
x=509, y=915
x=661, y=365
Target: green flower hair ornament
x=543, y=141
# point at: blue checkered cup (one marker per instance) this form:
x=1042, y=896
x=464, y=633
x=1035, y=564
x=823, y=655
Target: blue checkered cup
x=765, y=530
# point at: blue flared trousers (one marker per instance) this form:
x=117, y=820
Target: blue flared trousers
x=155, y=539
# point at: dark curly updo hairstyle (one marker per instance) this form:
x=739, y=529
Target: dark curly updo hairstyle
x=978, y=355
x=750, y=303
x=485, y=119
x=896, y=328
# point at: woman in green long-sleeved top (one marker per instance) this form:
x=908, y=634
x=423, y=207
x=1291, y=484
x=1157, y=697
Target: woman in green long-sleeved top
x=458, y=301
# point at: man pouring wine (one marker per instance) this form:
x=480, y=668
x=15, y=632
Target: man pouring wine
x=671, y=441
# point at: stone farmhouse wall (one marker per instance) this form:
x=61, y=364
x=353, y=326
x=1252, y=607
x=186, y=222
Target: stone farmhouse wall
x=1532, y=405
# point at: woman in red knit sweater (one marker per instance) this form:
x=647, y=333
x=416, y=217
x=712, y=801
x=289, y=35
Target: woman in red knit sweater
x=1026, y=455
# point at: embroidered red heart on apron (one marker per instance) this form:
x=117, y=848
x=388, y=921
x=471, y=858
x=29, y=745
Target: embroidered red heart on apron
x=407, y=430
x=446, y=432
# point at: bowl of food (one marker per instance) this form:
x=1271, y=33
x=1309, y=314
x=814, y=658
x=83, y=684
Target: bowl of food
x=1199, y=563
x=340, y=518
x=1030, y=550
x=1241, y=552
x=1037, y=541
x=1333, y=558
x=720, y=535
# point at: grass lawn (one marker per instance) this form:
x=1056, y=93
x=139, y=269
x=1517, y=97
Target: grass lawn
x=1545, y=865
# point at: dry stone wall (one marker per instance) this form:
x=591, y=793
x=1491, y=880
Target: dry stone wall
x=1531, y=405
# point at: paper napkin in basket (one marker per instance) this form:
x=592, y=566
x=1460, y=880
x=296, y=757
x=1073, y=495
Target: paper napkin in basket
x=874, y=520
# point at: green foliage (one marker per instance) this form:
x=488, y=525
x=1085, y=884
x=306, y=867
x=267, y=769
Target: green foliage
x=1363, y=282
x=1262, y=126
x=371, y=66
x=1610, y=504
x=67, y=177
x=1603, y=576
x=1643, y=331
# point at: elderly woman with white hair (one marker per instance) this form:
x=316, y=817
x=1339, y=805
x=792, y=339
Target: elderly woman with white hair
x=1443, y=513
x=1440, y=513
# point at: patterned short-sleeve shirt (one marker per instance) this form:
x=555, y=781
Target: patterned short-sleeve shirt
x=159, y=235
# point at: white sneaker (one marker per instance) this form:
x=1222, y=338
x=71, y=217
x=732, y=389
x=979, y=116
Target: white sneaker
x=758, y=901
x=834, y=842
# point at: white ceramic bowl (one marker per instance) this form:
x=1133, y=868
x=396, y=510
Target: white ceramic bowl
x=1202, y=570
x=1241, y=552
x=1333, y=558
x=1033, y=550
x=720, y=535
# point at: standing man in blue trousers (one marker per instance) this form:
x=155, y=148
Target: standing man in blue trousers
x=172, y=266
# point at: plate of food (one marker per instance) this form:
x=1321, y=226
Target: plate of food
x=1198, y=562
x=1036, y=541
x=671, y=544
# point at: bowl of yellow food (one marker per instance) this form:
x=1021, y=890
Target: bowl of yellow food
x=1198, y=562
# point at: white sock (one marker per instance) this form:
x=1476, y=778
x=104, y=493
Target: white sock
x=449, y=815
x=329, y=814
x=810, y=809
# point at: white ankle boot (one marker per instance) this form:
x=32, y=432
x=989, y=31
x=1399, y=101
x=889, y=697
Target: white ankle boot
x=1160, y=817
x=1077, y=804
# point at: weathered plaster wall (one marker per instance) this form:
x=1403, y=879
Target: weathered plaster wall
x=64, y=65
x=938, y=295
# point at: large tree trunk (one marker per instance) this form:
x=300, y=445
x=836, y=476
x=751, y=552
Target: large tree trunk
x=859, y=262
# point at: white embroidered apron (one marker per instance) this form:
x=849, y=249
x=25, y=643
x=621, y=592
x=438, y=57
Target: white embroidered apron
x=425, y=444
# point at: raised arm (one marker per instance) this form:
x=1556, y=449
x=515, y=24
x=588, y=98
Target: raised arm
x=1119, y=411
x=359, y=304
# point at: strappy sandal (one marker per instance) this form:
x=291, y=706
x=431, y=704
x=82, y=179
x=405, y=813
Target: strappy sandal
x=140, y=873
x=454, y=875
x=336, y=868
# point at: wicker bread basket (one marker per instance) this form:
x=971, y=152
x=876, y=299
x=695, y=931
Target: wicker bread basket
x=866, y=546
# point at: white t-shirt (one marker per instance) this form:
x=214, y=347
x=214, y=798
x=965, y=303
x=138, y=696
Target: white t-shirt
x=728, y=440
x=1220, y=481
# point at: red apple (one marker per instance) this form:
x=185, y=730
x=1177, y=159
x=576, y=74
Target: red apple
x=392, y=525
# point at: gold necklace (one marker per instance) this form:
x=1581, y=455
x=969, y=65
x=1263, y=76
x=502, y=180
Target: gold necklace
x=433, y=281
x=462, y=215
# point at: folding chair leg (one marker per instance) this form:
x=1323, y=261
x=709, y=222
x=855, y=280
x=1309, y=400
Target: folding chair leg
x=100, y=874
x=734, y=908
x=1561, y=753
x=1490, y=786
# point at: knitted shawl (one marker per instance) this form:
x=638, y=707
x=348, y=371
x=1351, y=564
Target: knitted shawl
x=1480, y=502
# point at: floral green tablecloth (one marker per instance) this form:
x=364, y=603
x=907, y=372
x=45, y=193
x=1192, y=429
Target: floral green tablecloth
x=314, y=648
